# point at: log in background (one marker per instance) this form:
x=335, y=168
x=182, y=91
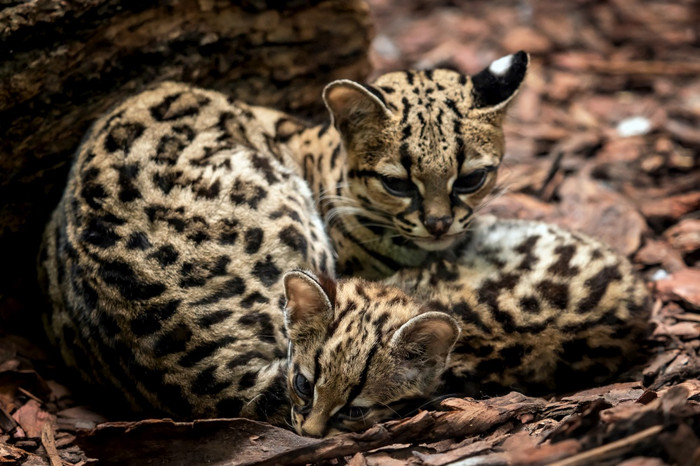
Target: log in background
x=64, y=63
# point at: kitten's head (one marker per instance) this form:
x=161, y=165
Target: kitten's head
x=424, y=146
x=359, y=352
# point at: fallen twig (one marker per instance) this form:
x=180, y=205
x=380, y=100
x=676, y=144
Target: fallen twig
x=48, y=440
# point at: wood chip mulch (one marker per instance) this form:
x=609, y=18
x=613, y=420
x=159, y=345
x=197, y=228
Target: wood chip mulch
x=604, y=138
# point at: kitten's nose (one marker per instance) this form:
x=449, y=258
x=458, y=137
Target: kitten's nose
x=314, y=426
x=307, y=433
x=438, y=226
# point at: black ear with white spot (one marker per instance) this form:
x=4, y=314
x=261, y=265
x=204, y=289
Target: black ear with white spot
x=353, y=105
x=309, y=307
x=497, y=84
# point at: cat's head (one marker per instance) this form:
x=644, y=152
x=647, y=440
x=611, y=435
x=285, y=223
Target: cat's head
x=424, y=146
x=359, y=352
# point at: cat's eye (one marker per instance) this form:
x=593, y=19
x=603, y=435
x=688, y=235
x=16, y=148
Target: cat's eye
x=352, y=413
x=398, y=186
x=302, y=386
x=470, y=182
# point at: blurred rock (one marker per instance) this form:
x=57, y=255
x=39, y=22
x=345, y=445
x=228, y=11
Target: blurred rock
x=685, y=235
x=594, y=209
x=525, y=38
x=683, y=285
x=657, y=252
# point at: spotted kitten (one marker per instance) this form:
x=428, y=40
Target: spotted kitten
x=406, y=161
x=530, y=307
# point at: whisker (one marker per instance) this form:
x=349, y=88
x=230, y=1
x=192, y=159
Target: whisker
x=379, y=238
x=391, y=409
x=253, y=399
x=289, y=424
x=338, y=212
x=437, y=399
x=370, y=224
x=426, y=403
x=339, y=201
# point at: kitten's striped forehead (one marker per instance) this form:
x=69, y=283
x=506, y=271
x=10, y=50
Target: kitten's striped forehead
x=366, y=316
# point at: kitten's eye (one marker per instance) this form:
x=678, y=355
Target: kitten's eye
x=354, y=412
x=302, y=386
x=469, y=183
x=398, y=186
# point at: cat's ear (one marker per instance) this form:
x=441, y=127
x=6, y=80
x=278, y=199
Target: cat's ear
x=353, y=105
x=496, y=85
x=309, y=305
x=427, y=337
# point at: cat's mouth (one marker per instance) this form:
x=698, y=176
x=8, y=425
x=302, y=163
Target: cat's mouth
x=430, y=243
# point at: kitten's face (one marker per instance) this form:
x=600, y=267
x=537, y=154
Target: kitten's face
x=424, y=146
x=360, y=353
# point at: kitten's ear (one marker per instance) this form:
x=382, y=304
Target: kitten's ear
x=352, y=105
x=309, y=307
x=428, y=336
x=495, y=86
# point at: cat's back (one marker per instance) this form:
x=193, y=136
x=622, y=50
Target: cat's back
x=542, y=308
x=166, y=252
x=178, y=178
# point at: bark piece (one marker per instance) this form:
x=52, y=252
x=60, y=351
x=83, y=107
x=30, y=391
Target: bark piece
x=671, y=208
x=524, y=38
x=10, y=454
x=79, y=417
x=236, y=441
x=547, y=453
x=589, y=62
x=596, y=210
x=12, y=380
x=683, y=285
x=241, y=441
x=48, y=441
x=610, y=450
x=684, y=236
x=7, y=422
x=643, y=461
x=656, y=252
x=452, y=455
x=518, y=205
x=32, y=418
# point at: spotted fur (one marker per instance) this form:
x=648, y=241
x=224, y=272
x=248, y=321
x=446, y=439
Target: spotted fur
x=164, y=259
x=165, y=255
x=406, y=161
x=526, y=307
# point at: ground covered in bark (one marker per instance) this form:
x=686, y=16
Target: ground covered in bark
x=604, y=138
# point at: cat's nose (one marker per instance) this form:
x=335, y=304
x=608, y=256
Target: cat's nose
x=438, y=226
